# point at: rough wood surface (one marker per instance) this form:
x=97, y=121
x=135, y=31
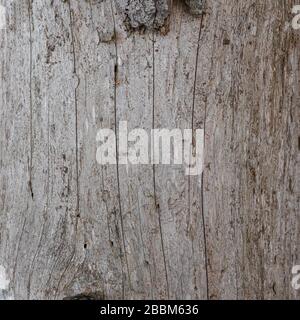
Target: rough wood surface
x=72, y=228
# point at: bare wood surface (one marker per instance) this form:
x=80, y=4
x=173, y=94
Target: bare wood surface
x=69, y=226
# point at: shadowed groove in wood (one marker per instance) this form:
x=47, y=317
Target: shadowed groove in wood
x=156, y=204
x=117, y=149
x=202, y=191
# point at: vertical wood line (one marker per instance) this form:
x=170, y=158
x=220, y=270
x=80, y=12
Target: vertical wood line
x=117, y=151
x=76, y=150
x=157, y=208
x=30, y=97
x=202, y=174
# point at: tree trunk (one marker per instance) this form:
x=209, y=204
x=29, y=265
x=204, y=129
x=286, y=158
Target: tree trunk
x=70, y=226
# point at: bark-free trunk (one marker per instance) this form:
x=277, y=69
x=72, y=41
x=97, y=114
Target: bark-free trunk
x=69, y=226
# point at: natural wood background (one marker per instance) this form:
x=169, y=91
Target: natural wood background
x=69, y=226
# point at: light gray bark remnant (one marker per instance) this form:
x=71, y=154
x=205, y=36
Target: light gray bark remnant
x=195, y=6
x=152, y=14
x=149, y=14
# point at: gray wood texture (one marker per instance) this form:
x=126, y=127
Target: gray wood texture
x=69, y=226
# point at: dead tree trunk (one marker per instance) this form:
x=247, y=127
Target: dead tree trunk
x=69, y=226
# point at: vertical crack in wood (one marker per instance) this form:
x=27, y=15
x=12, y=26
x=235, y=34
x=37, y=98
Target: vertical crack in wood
x=31, y=269
x=30, y=96
x=117, y=153
x=76, y=117
x=232, y=206
x=76, y=153
x=202, y=175
x=157, y=209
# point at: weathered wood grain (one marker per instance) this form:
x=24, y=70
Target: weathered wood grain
x=250, y=86
x=70, y=227
x=179, y=195
x=147, y=277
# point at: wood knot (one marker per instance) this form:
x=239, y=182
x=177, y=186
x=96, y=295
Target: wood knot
x=152, y=14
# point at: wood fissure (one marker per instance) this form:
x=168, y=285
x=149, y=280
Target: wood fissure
x=117, y=149
x=157, y=207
